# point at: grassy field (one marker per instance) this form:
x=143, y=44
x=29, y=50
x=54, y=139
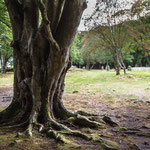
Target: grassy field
x=106, y=82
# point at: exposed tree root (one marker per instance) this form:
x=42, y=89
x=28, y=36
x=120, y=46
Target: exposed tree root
x=59, y=130
x=83, y=121
x=109, y=121
x=83, y=113
x=77, y=134
x=59, y=135
x=136, y=132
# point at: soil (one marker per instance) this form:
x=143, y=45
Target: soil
x=130, y=113
x=6, y=94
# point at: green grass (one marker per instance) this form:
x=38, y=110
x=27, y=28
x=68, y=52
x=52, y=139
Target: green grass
x=106, y=81
x=6, y=79
x=89, y=77
x=141, y=73
x=95, y=76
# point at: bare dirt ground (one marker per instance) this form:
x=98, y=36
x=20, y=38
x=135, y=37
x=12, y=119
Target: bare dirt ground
x=131, y=113
x=5, y=96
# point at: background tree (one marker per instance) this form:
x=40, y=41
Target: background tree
x=76, y=55
x=140, y=33
x=92, y=51
x=110, y=16
x=5, y=38
x=139, y=30
x=125, y=35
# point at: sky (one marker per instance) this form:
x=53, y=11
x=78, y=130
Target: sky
x=88, y=11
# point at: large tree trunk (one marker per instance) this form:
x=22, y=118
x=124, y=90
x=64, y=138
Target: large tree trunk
x=41, y=59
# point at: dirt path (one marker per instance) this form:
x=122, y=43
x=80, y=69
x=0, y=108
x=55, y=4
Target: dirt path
x=5, y=96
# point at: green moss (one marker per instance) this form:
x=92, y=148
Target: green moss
x=6, y=139
x=109, y=145
x=2, y=108
x=87, y=130
x=58, y=137
x=147, y=126
x=71, y=119
x=95, y=136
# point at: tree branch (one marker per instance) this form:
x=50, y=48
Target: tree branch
x=69, y=23
x=16, y=16
x=47, y=27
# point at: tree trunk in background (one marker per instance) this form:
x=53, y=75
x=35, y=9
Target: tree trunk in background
x=87, y=66
x=146, y=56
x=116, y=64
x=122, y=63
x=117, y=68
x=3, y=64
x=41, y=58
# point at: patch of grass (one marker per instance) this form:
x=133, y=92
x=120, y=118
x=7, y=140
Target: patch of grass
x=6, y=79
x=89, y=77
x=142, y=73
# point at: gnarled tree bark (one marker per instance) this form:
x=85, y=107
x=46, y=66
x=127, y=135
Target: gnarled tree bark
x=41, y=60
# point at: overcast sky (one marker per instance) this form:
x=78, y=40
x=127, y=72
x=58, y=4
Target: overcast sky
x=91, y=5
x=88, y=11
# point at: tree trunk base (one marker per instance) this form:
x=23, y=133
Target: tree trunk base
x=57, y=129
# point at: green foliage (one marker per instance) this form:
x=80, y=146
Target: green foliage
x=5, y=35
x=104, y=57
x=93, y=51
x=76, y=51
x=88, y=51
x=4, y=19
x=5, y=39
x=140, y=39
x=129, y=59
